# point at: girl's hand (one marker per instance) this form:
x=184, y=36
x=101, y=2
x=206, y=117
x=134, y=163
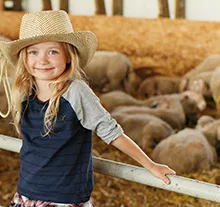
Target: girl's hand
x=161, y=171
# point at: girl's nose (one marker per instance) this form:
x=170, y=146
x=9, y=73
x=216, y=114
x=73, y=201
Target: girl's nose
x=43, y=59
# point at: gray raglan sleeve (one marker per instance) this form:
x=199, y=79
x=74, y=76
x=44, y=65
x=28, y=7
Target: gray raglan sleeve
x=92, y=114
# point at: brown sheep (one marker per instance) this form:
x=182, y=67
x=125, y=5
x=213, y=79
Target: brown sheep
x=109, y=70
x=158, y=85
x=185, y=152
x=146, y=130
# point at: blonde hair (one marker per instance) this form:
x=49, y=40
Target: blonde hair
x=25, y=83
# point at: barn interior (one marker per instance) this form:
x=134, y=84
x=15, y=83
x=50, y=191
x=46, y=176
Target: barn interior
x=181, y=53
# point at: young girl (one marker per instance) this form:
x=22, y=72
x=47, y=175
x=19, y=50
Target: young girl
x=55, y=112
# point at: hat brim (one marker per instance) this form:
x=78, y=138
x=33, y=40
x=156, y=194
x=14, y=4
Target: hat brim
x=85, y=42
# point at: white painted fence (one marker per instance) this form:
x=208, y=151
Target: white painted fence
x=178, y=184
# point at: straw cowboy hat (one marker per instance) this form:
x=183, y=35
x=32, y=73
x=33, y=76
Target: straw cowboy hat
x=50, y=26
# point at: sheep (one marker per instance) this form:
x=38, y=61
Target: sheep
x=109, y=70
x=199, y=78
x=186, y=105
x=199, y=83
x=210, y=127
x=215, y=87
x=209, y=64
x=116, y=98
x=146, y=130
x=174, y=117
x=172, y=107
x=203, y=121
x=186, y=151
x=158, y=85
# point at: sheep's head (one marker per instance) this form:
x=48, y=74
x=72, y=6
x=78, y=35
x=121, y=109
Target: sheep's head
x=204, y=121
x=193, y=98
x=147, y=89
x=193, y=103
x=200, y=86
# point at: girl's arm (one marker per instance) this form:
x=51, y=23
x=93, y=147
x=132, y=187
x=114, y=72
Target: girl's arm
x=129, y=147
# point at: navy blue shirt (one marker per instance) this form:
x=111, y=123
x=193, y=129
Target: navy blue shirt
x=58, y=167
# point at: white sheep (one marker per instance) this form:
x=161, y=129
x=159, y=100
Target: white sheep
x=146, y=130
x=109, y=70
x=185, y=152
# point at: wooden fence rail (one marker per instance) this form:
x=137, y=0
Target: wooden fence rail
x=195, y=188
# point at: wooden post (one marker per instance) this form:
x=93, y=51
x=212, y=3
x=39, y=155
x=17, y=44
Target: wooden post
x=46, y=5
x=2, y=5
x=180, y=9
x=17, y=5
x=163, y=8
x=100, y=7
x=117, y=7
x=64, y=5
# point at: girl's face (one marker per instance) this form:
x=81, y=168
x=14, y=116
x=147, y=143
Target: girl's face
x=46, y=61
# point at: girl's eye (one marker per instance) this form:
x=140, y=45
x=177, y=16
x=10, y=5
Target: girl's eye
x=53, y=52
x=32, y=52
